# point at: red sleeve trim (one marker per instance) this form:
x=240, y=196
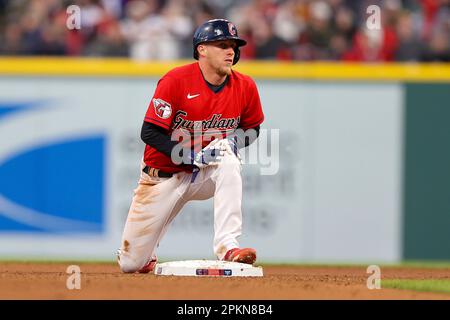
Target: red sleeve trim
x=157, y=122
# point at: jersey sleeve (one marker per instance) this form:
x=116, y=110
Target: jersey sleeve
x=163, y=105
x=252, y=114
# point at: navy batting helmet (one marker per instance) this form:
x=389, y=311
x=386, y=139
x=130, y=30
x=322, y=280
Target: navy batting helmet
x=215, y=30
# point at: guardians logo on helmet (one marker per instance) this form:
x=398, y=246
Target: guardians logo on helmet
x=232, y=29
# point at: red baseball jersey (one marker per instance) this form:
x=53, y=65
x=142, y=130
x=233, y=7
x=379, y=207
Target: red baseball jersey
x=183, y=102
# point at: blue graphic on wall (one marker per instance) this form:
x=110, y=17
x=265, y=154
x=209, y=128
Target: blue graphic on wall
x=53, y=187
x=56, y=188
x=8, y=108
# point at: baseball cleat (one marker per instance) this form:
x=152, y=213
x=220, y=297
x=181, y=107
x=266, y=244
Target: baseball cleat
x=245, y=255
x=149, y=266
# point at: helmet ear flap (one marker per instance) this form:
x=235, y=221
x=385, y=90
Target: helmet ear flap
x=195, y=52
x=237, y=55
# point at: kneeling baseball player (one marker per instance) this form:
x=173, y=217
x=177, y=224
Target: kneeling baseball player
x=223, y=105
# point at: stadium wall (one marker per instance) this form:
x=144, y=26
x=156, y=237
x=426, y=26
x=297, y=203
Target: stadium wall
x=356, y=170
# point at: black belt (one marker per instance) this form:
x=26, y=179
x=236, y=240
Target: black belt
x=153, y=172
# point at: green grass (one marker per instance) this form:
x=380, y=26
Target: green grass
x=431, y=285
x=404, y=264
x=425, y=264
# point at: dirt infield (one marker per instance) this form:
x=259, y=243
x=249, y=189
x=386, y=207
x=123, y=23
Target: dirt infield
x=105, y=281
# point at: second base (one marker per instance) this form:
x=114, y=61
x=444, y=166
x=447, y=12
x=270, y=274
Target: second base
x=203, y=268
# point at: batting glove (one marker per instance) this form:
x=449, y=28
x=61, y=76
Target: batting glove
x=208, y=157
x=212, y=154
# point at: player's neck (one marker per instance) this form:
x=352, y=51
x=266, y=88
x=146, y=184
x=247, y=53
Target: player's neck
x=211, y=75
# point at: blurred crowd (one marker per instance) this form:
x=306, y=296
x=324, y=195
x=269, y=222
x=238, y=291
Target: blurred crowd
x=304, y=30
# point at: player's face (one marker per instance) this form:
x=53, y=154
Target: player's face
x=220, y=55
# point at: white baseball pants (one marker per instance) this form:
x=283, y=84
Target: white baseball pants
x=157, y=201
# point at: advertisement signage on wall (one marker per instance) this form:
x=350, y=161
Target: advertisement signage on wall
x=322, y=182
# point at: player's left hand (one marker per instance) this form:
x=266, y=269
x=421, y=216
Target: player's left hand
x=214, y=152
x=210, y=155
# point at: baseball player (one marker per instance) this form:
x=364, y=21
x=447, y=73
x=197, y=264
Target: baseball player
x=198, y=118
